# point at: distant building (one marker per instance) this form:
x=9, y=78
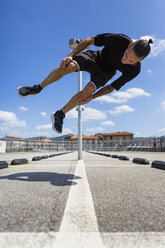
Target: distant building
x=84, y=138
x=12, y=138
x=45, y=139
x=13, y=143
x=38, y=138
x=61, y=137
x=124, y=138
x=88, y=142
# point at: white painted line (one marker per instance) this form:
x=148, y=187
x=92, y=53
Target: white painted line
x=134, y=239
x=111, y=240
x=79, y=227
x=27, y=240
x=117, y=165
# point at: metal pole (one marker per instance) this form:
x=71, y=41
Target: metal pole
x=79, y=119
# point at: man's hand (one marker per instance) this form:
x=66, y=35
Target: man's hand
x=86, y=100
x=65, y=62
x=79, y=48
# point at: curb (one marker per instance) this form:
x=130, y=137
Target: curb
x=37, y=158
x=3, y=164
x=45, y=156
x=123, y=158
x=158, y=165
x=140, y=161
x=19, y=161
x=52, y=155
x=115, y=156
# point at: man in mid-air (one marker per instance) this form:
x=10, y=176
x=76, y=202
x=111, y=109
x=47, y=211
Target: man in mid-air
x=119, y=52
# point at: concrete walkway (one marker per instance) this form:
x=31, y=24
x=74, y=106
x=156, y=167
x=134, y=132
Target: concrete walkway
x=98, y=202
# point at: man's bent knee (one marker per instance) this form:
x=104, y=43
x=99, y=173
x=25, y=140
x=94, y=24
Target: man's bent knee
x=71, y=67
x=88, y=90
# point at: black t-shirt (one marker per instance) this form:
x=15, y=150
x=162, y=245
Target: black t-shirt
x=112, y=53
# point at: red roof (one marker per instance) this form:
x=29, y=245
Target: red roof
x=75, y=137
x=117, y=133
x=90, y=137
x=14, y=138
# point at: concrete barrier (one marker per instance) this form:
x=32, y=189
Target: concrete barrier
x=3, y=164
x=52, y=155
x=108, y=155
x=123, y=158
x=45, y=156
x=37, y=158
x=19, y=161
x=140, y=161
x=158, y=164
x=115, y=156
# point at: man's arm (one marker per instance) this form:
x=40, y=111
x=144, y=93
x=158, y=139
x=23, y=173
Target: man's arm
x=82, y=45
x=79, y=48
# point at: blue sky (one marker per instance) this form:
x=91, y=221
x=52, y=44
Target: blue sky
x=35, y=38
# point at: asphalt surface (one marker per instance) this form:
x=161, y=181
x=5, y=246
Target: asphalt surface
x=31, y=193
x=128, y=199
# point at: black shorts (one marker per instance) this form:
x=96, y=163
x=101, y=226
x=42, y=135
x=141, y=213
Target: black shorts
x=89, y=61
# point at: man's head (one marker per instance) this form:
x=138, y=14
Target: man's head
x=136, y=52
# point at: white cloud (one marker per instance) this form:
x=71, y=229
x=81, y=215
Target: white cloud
x=44, y=127
x=94, y=130
x=163, y=104
x=123, y=96
x=110, y=99
x=149, y=71
x=108, y=123
x=162, y=130
x=87, y=114
x=44, y=114
x=72, y=114
x=66, y=131
x=46, y=133
x=22, y=108
x=4, y=128
x=138, y=134
x=93, y=114
x=131, y=93
x=121, y=109
x=157, y=47
x=46, y=130
x=9, y=119
x=161, y=109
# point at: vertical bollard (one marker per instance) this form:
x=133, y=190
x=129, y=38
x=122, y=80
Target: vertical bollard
x=79, y=118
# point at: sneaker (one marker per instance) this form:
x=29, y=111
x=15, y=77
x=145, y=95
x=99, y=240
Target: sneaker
x=29, y=91
x=57, y=121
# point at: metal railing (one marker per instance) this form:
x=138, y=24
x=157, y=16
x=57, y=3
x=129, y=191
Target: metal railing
x=96, y=145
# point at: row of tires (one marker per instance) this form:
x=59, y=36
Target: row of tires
x=155, y=164
x=19, y=161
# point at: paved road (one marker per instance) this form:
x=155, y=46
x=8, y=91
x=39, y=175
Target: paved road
x=100, y=202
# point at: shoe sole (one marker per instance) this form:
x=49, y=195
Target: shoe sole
x=54, y=129
x=19, y=93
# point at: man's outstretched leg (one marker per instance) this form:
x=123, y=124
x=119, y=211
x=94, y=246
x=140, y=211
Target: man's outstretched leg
x=57, y=118
x=54, y=76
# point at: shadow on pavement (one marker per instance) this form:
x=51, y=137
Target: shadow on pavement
x=56, y=179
